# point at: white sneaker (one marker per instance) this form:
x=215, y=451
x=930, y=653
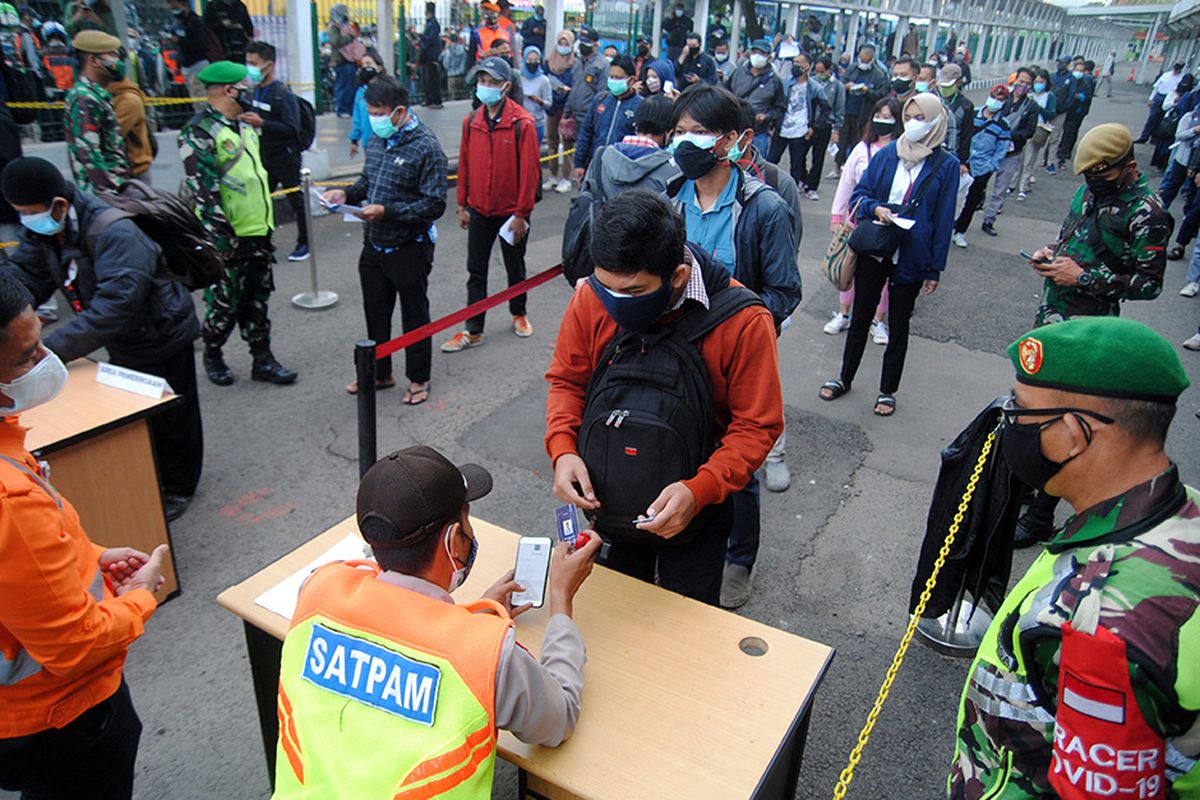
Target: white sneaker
x=563, y=187
x=1191, y=289
x=1021, y=196
x=879, y=331
x=811, y=194
x=549, y=184
x=839, y=323
x=836, y=172
x=1193, y=343
x=958, y=239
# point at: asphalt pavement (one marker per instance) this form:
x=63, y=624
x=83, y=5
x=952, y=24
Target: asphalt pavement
x=839, y=547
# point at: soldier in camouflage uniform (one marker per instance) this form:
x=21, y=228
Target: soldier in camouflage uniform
x=1112, y=248
x=225, y=175
x=1087, y=683
x=95, y=146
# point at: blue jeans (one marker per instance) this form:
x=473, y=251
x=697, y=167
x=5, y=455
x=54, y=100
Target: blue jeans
x=344, y=88
x=762, y=143
x=1172, y=180
x=747, y=525
x=1194, y=266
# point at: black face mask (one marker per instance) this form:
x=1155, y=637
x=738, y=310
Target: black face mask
x=694, y=162
x=1104, y=189
x=1021, y=445
x=881, y=129
x=367, y=74
x=797, y=71
x=643, y=51
x=901, y=85
x=633, y=313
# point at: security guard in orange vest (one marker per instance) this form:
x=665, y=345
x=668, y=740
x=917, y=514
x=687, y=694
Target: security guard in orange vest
x=69, y=608
x=387, y=689
x=485, y=37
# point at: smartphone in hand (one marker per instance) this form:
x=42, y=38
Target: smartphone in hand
x=532, y=570
x=1029, y=257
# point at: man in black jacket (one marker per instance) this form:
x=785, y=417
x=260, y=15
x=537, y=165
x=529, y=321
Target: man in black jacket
x=430, y=58
x=403, y=185
x=197, y=46
x=676, y=27
x=114, y=278
x=275, y=111
x=230, y=22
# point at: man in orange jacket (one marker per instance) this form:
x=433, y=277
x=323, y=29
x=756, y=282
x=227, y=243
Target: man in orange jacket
x=69, y=609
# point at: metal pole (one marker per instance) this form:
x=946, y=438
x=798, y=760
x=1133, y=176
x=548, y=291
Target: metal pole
x=316, y=299
x=364, y=370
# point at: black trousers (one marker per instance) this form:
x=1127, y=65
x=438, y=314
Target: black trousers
x=852, y=131
x=178, y=432
x=482, y=232
x=431, y=83
x=1070, y=134
x=692, y=569
x=285, y=174
x=976, y=197
x=870, y=275
x=1190, y=224
x=403, y=273
x=797, y=156
x=820, y=143
x=92, y=758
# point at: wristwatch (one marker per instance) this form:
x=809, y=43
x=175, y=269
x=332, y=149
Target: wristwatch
x=1085, y=279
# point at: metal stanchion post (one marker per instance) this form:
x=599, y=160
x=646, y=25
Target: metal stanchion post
x=364, y=371
x=316, y=299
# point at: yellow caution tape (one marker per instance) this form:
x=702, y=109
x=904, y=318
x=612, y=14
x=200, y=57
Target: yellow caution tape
x=150, y=101
x=843, y=784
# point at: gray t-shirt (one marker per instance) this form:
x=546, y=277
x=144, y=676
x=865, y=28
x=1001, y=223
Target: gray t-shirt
x=537, y=86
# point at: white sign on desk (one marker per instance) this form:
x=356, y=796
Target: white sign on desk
x=131, y=380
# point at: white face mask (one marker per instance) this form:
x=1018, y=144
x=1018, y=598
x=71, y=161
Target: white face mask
x=460, y=573
x=915, y=129
x=758, y=60
x=40, y=385
x=652, y=82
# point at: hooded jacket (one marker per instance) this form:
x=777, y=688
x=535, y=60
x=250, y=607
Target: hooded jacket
x=130, y=104
x=127, y=302
x=764, y=240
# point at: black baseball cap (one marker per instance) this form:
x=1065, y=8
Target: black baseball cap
x=495, y=66
x=413, y=492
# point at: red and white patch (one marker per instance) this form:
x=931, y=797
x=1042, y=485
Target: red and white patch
x=1097, y=702
x=1031, y=356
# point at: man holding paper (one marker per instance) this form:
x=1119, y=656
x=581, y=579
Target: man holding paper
x=403, y=186
x=124, y=301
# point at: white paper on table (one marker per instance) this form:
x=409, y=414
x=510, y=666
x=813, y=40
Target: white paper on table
x=281, y=598
x=506, y=231
x=903, y=222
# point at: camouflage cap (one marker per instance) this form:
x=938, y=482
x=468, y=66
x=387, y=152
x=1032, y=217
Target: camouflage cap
x=1105, y=356
x=222, y=72
x=92, y=41
x=1103, y=147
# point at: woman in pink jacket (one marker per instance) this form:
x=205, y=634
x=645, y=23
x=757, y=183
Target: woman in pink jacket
x=883, y=128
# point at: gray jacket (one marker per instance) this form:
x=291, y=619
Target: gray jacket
x=123, y=297
x=588, y=79
x=835, y=92
x=621, y=167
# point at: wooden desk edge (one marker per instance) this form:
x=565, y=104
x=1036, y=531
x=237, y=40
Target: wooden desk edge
x=91, y=433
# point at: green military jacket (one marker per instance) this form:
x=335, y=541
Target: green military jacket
x=1121, y=243
x=1150, y=600
x=95, y=146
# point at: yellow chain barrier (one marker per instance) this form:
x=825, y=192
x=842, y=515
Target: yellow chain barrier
x=843, y=784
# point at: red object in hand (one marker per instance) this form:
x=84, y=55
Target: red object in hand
x=581, y=540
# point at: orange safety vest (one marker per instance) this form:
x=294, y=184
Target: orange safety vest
x=60, y=66
x=489, y=36
x=384, y=692
x=170, y=57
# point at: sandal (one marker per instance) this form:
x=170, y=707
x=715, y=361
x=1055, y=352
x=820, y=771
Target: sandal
x=835, y=388
x=411, y=395
x=387, y=383
x=887, y=401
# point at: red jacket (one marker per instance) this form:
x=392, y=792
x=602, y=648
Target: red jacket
x=489, y=179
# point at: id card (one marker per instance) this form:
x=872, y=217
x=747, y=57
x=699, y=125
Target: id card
x=567, y=520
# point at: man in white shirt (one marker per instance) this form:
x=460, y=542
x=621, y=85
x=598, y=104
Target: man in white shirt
x=1166, y=83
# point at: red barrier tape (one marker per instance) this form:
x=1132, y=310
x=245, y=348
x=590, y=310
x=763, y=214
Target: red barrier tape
x=438, y=325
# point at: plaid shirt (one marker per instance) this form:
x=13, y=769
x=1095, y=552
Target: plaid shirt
x=695, y=289
x=407, y=176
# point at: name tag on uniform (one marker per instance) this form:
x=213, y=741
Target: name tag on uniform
x=372, y=674
x=260, y=105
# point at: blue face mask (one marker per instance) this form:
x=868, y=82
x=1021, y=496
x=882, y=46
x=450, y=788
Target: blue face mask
x=1077, y=74
x=1039, y=86
x=993, y=104
x=43, y=223
x=254, y=74
x=382, y=126
x=633, y=312
x=489, y=95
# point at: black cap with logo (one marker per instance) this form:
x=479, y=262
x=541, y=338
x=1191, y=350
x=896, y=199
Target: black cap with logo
x=408, y=495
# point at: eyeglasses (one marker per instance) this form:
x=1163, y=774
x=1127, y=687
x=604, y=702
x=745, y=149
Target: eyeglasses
x=1012, y=413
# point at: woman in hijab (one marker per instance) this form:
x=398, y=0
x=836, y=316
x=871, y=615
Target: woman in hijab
x=660, y=79
x=914, y=180
x=559, y=66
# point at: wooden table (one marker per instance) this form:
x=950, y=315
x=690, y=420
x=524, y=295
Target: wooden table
x=97, y=441
x=672, y=706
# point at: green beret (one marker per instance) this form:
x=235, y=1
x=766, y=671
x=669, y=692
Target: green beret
x=93, y=41
x=1103, y=147
x=221, y=72
x=1105, y=356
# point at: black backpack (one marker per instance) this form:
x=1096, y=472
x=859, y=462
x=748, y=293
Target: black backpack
x=649, y=416
x=577, y=233
x=308, y=124
x=190, y=254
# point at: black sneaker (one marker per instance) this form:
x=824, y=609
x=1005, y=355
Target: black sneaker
x=988, y=229
x=218, y=371
x=174, y=505
x=269, y=370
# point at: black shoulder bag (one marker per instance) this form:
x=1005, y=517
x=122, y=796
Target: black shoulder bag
x=881, y=240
